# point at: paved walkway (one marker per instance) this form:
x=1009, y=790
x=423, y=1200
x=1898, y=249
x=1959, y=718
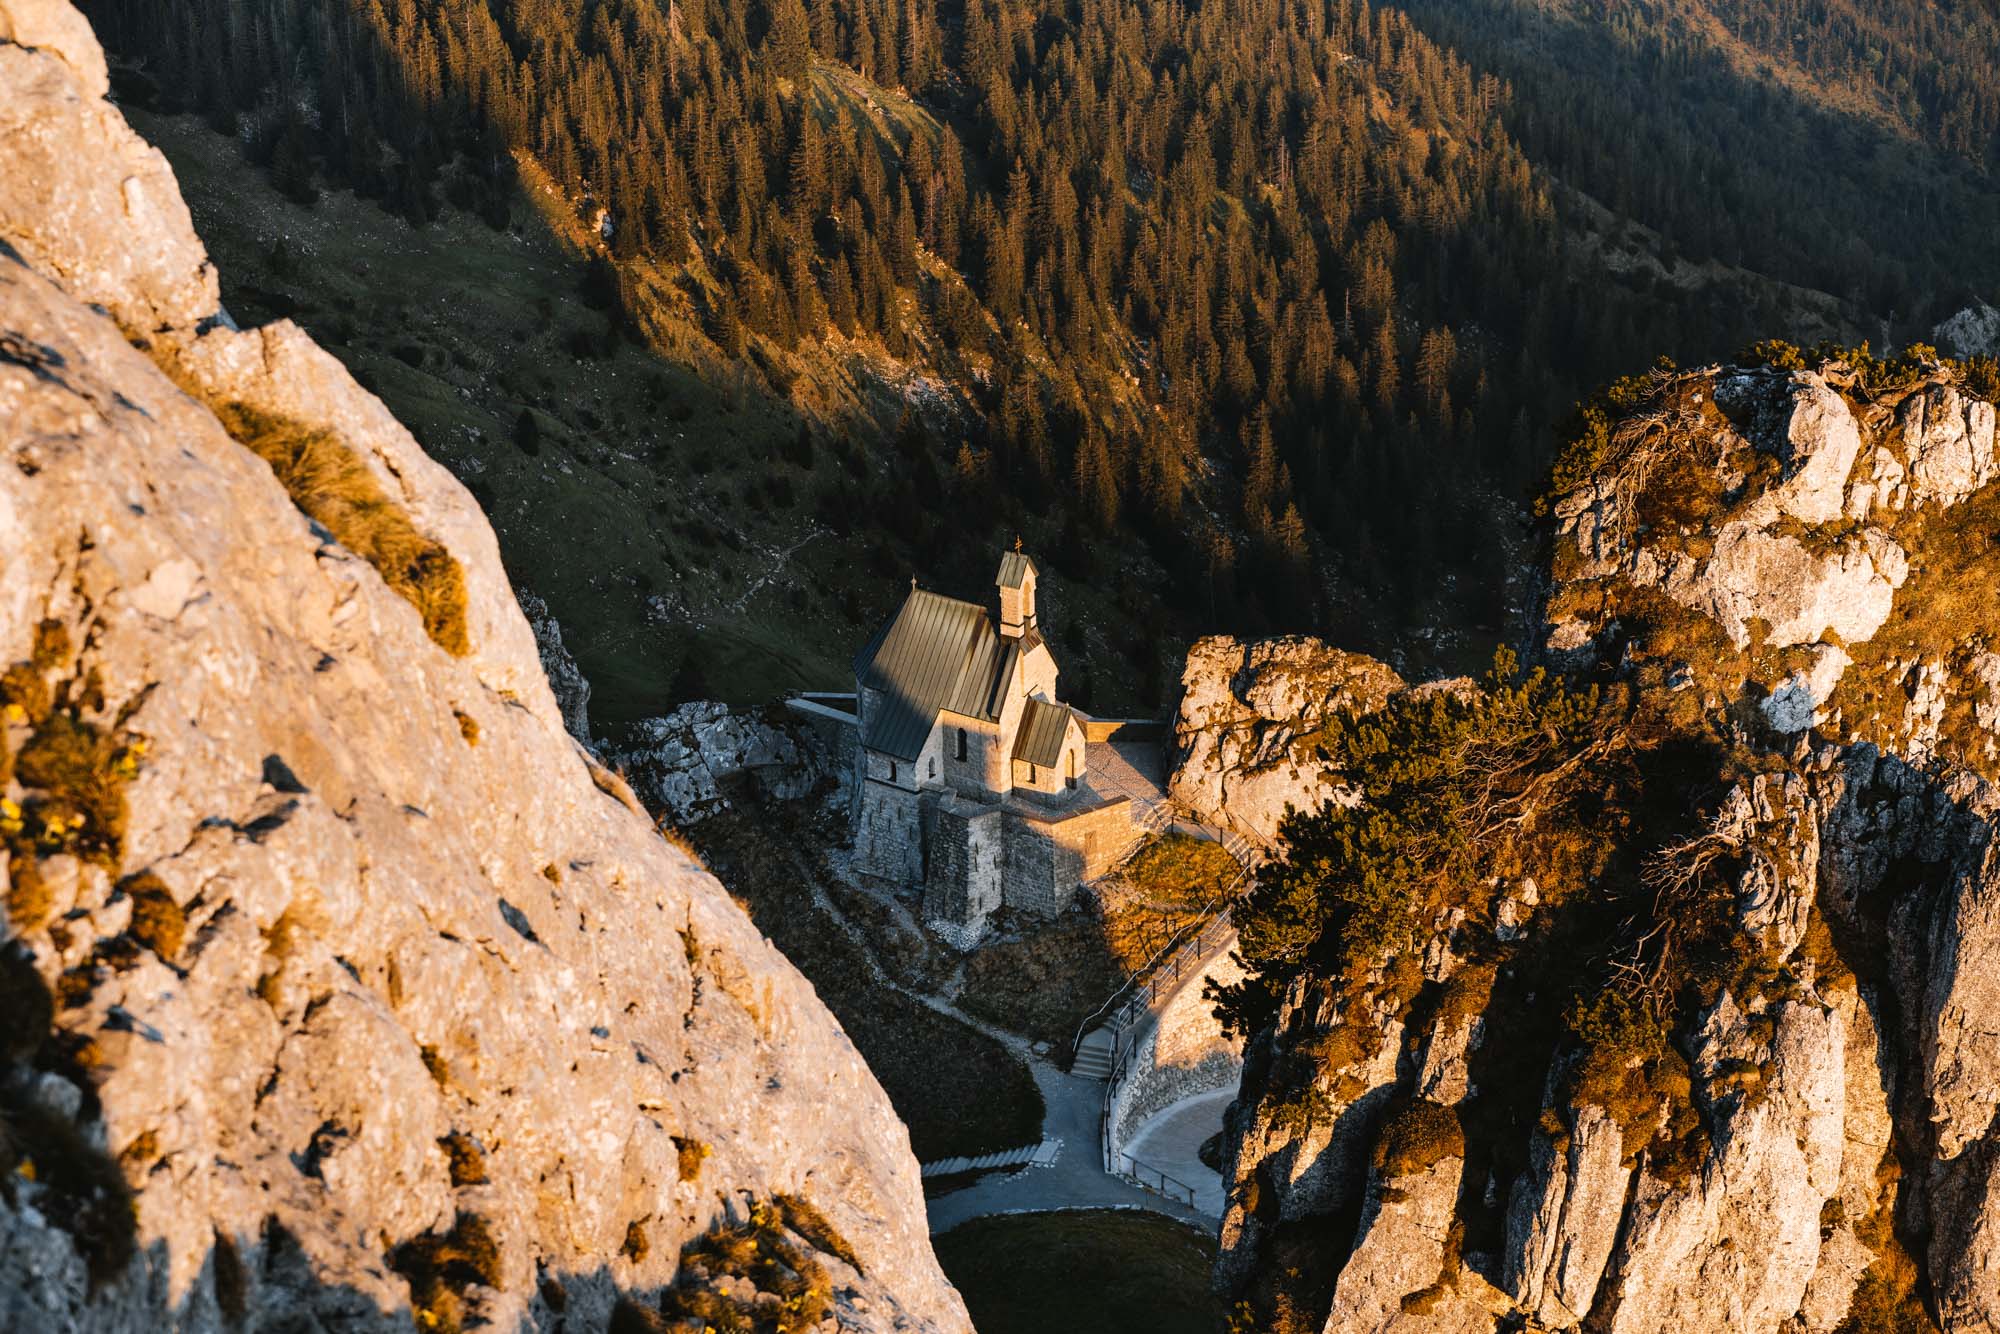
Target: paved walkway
x=1076, y=1180
x=1132, y=769
x=1170, y=1141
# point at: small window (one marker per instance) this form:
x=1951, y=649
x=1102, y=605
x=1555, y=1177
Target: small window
x=1069, y=767
x=933, y=769
x=1032, y=778
x=892, y=771
x=961, y=745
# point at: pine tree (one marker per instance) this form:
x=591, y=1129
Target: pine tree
x=788, y=45
x=528, y=433
x=1095, y=484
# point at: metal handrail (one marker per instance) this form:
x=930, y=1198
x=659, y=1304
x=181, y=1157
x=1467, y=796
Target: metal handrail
x=1157, y=978
x=1121, y=1019
x=1132, y=1170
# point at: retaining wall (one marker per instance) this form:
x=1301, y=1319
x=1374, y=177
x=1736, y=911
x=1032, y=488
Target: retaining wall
x=1179, y=1051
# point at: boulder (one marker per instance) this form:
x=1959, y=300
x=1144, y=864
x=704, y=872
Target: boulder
x=1949, y=440
x=1801, y=594
x=1794, y=705
x=1820, y=444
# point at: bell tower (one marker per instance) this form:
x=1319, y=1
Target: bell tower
x=1016, y=581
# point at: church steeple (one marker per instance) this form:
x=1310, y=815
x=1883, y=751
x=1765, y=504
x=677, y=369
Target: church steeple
x=1016, y=581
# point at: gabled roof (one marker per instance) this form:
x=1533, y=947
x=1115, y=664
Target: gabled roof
x=1015, y=567
x=935, y=653
x=1040, y=739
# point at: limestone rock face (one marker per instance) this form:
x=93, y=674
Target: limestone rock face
x=1563, y=1217
x=1783, y=572
x=77, y=177
x=1774, y=1164
x=1248, y=714
x=353, y=951
x=571, y=689
x=1769, y=1228
x=1295, y=1153
x=1405, y=1226
x=1808, y=528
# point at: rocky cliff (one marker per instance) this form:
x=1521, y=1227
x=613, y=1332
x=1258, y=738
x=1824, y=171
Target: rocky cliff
x=1247, y=735
x=1657, y=995
x=340, y=985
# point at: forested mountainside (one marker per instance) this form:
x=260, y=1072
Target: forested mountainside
x=1845, y=145
x=1268, y=291
x=1283, y=297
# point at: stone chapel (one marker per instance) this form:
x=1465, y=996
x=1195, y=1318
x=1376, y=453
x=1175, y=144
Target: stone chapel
x=971, y=775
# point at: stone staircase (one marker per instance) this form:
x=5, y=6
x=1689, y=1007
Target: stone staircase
x=1093, y=1055
x=1028, y=1155
x=1097, y=1052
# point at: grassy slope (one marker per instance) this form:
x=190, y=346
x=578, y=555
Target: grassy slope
x=1108, y=1271
x=661, y=519
x=959, y=1091
x=644, y=469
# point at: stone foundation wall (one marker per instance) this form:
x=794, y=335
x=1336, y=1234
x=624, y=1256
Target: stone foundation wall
x=962, y=885
x=837, y=740
x=888, y=833
x=1036, y=877
x=1048, y=859
x=1102, y=839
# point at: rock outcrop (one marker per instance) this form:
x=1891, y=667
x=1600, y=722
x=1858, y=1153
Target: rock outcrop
x=1785, y=574
x=685, y=763
x=341, y=982
x=1249, y=716
x=1972, y=332
x=566, y=679
x=1816, y=545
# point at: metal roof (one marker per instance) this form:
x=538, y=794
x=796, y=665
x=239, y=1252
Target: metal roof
x=1015, y=567
x=1040, y=739
x=935, y=653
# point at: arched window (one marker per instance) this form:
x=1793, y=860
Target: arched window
x=892, y=771
x=961, y=745
x=933, y=772
x=1069, y=767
